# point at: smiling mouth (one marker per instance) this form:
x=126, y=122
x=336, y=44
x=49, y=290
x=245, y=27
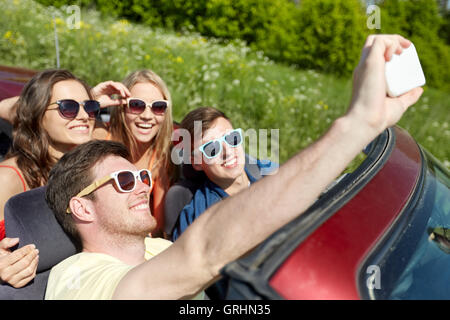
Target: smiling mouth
x=81, y=128
x=144, y=125
x=230, y=163
x=140, y=203
x=140, y=207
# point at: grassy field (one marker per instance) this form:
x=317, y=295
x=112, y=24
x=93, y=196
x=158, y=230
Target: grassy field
x=251, y=89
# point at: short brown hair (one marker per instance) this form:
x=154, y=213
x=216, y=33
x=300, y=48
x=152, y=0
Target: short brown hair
x=72, y=173
x=207, y=115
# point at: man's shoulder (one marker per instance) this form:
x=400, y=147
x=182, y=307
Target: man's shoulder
x=154, y=246
x=85, y=276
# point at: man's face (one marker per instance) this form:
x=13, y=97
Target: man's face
x=121, y=213
x=229, y=164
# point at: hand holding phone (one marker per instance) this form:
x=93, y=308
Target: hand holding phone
x=404, y=72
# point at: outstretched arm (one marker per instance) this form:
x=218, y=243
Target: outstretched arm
x=237, y=224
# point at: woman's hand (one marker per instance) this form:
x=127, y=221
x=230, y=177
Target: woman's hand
x=104, y=93
x=19, y=267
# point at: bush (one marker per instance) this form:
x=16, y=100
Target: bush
x=330, y=35
x=420, y=21
x=325, y=35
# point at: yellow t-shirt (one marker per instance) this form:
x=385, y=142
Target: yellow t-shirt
x=93, y=276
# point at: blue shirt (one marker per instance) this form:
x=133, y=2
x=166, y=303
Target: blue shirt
x=208, y=194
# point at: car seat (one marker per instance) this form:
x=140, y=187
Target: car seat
x=28, y=217
x=5, y=138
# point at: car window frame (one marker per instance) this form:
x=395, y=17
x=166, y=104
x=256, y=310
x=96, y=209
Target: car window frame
x=251, y=274
x=381, y=254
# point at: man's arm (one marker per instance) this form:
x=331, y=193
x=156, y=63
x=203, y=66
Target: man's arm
x=7, y=110
x=237, y=224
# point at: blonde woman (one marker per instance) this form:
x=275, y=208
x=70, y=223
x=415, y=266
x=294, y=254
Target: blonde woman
x=142, y=121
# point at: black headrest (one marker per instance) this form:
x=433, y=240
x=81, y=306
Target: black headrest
x=28, y=217
x=34, y=290
x=6, y=128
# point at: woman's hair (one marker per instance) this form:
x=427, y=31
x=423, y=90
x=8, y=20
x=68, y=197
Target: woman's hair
x=30, y=140
x=162, y=143
x=205, y=115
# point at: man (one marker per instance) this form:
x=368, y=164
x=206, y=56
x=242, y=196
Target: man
x=111, y=224
x=220, y=156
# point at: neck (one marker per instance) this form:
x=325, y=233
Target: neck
x=57, y=151
x=234, y=186
x=130, y=250
x=142, y=157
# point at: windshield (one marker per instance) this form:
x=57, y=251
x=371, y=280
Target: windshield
x=420, y=259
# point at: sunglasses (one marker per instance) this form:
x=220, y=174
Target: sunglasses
x=137, y=106
x=125, y=181
x=213, y=148
x=69, y=108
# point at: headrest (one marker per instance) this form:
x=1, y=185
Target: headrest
x=6, y=128
x=28, y=217
x=34, y=290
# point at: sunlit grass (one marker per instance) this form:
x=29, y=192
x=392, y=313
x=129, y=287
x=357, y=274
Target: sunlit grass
x=252, y=90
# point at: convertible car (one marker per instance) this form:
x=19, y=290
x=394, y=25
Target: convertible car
x=12, y=81
x=380, y=232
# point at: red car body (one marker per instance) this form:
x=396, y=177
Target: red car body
x=12, y=80
x=380, y=232
x=344, y=240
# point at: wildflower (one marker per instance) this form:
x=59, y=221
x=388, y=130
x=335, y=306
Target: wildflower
x=83, y=25
x=59, y=22
x=447, y=163
x=7, y=35
x=147, y=57
x=179, y=59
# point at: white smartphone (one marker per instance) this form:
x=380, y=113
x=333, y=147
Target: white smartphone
x=404, y=72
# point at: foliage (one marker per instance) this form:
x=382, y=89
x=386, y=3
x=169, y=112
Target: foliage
x=330, y=35
x=250, y=88
x=324, y=35
x=420, y=21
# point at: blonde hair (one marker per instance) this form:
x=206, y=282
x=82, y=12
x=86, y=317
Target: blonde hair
x=162, y=143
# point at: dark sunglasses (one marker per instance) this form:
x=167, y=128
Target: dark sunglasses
x=137, y=106
x=69, y=108
x=213, y=148
x=125, y=181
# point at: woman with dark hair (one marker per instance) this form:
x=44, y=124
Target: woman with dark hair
x=54, y=113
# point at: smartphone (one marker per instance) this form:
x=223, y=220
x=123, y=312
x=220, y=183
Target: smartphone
x=404, y=72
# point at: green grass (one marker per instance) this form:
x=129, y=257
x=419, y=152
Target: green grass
x=252, y=90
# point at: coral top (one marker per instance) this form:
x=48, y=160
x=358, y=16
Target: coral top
x=2, y=223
